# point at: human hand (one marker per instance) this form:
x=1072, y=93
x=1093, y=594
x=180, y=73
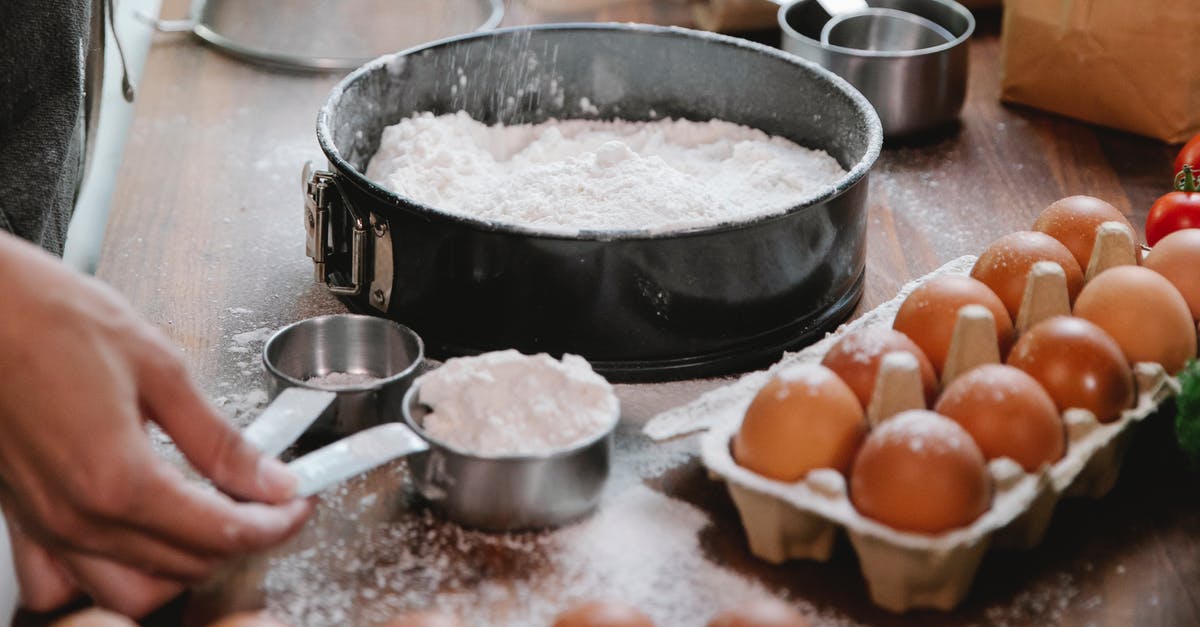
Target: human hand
x=82, y=374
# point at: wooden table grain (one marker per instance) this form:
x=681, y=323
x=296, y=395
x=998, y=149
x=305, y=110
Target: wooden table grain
x=206, y=240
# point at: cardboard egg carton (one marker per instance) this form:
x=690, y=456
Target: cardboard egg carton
x=903, y=570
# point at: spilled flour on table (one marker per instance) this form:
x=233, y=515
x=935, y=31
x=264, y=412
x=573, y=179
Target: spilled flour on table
x=641, y=547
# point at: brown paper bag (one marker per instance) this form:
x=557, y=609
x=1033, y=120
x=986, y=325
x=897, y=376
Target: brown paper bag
x=1129, y=64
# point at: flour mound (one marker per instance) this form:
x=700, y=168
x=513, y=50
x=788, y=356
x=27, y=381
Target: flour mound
x=599, y=175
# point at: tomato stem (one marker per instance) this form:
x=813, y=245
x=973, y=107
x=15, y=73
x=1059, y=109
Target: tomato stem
x=1186, y=180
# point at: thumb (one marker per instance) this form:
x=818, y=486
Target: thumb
x=213, y=446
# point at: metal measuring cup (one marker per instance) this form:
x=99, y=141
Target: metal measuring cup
x=389, y=353
x=508, y=492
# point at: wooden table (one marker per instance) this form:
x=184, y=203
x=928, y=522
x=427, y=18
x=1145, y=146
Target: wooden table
x=206, y=240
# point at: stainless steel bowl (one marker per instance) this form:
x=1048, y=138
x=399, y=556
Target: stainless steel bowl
x=507, y=493
x=911, y=90
x=387, y=351
x=325, y=35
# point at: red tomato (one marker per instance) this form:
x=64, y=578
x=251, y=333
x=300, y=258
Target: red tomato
x=1177, y=210
x=1189, y=155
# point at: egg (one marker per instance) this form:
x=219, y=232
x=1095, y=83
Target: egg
x=1008, y=414
x=1177, y=257
x=1143, y=312
x=603, y=614
x=856, y=356
x=919, y=471
x=94, y=617
x=1078, y=364
x=248, y=619
x=427, y=618
x=1005, y=265
x=1073, y=221
x=929, y=313
x=804, y=418
x=762, y=612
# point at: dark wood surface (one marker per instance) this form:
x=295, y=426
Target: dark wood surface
x=206, y=240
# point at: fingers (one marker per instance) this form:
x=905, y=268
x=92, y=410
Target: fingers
x=44, y=583
x=209, y=442
x=203, y=520
x=120, y=588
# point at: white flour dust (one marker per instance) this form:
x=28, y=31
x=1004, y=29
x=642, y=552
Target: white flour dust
x=338, y=380
x=641, y=547
x=506, y=403
x=599, y=175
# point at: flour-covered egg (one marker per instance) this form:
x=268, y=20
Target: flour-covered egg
x=930, y=312
x=1144, y=313
x=804, y=418
x=1078, y=364
x=919, y=471
x=1008, y=414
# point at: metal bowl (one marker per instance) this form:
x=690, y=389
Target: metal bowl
x=637, y=305
x=912, y=90
x=323, y=35
x=388, y=352
x=511, y=492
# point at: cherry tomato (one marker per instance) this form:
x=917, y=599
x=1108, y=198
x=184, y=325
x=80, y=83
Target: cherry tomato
x=1190, y=155
x=1175, y=211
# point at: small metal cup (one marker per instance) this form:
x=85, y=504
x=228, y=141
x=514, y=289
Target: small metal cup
x=912, y=90
x=884, y=30
x=508, y=493
x=385, y=350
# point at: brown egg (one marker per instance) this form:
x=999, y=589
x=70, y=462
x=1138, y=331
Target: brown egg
x=1073, y=221
x=1078, y=364
x=919, y=471
x=603, y=614
x=94, y=617
x=762, y=612
x=855, y=358
x=1143, y=312
x=928, y=315
x=804, y=418
x=1004, y=266
x=1008, y=414
x=1177, y=257
x=426, y=618
x=248, y=619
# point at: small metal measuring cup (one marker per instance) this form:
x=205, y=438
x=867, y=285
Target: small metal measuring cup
x=912, y=89
x=883, y=29
x=387, y=352
x=508, y=492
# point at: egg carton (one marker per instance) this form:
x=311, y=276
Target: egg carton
x=903, y=570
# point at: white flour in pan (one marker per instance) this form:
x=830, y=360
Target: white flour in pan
x=572, y=175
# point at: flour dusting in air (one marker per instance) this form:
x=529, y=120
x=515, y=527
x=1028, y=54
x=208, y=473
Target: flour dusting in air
x=599, y=175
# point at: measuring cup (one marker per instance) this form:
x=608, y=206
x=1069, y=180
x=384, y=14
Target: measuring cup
x=883, y=29
x=508, y=492
x=493, y=493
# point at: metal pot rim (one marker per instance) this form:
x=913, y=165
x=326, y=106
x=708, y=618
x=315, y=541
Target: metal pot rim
x=852, y=177
x=790, y=32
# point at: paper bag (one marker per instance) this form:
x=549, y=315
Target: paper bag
x=1128, y=64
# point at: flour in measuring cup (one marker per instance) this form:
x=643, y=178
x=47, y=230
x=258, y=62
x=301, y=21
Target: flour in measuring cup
x=506, y=403
x=599, y=175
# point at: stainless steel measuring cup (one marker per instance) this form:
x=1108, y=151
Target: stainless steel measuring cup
x=912, y=90
x=386, y=352
x=509, y=492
